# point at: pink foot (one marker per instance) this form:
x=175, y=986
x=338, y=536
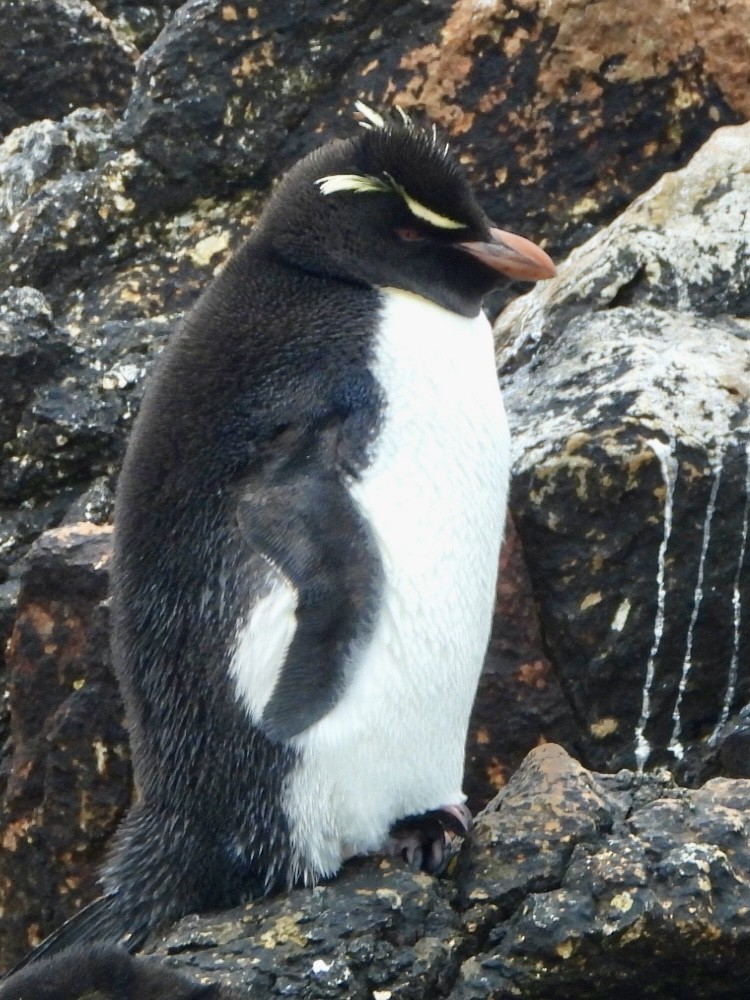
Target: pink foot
x=422, y=841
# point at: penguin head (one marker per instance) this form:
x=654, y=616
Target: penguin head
x=392, y=207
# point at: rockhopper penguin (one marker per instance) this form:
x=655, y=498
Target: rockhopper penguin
x=308, y=523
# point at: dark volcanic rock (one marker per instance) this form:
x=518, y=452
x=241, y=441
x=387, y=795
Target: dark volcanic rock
x=588, y=886
x=32, y=349
x=68, y=781
x=140, y=21
x=63, y=193
x=571, y=885
x=520, y=702
x=377, y=930
x=66, y=404
x=45, y=152
x=56, y=56
x=218, y=92
x=628, y=380
x=562, y=112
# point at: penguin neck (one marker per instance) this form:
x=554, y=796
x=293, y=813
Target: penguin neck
x=406, y=295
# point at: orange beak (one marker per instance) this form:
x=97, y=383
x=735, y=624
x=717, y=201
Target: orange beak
x=512, y=256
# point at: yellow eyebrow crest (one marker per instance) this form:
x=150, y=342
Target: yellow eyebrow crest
x=426, y=214
x=360, y=183
x=351, y=182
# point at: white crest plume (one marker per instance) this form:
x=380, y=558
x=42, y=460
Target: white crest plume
x=371, y=118
x=404, y=117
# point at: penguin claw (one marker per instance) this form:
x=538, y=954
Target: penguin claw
x=424, y=842
x=457, y=819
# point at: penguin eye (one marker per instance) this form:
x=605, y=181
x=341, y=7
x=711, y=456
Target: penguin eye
x=409, y=235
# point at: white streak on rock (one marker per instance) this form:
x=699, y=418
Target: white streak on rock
x=737, y=608
x=665, y=454
x=675, y=744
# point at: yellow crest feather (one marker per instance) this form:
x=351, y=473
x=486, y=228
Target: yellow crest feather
x=351, y=182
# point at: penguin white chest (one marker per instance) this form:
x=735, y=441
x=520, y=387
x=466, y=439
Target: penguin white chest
x=434, y=495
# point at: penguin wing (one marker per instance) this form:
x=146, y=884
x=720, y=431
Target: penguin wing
x=321, y=590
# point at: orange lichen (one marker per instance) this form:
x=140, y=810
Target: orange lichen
x=440, y=70
x=533, y=674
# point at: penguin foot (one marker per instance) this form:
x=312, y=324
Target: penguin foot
x=424, y=842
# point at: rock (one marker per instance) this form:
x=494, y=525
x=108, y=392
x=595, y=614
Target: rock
x=63, y=193
x=56, y=56
x=31, y=350
x=561, y=111
x=570, y=881
x=45, y=152
x=60, y=640
x=520, y=701
x=572, y=885
x=214, y=110
x=627, y=380
x=586, y=885
x=85, y=197
x=140, y=22
x=377, y=929
x=61, y=421
x=68, y=783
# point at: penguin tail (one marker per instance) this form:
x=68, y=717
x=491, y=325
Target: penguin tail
x=102, y=921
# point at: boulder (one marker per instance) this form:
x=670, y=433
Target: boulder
x=627, y=381
x=118, y=215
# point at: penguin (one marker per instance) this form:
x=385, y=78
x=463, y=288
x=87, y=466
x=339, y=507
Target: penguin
x=103, y=972
x=307, y=529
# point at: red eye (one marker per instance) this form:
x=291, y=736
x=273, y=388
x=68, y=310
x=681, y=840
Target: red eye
x=409, y=235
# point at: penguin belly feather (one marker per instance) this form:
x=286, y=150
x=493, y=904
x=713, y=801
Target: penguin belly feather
x=433, y=495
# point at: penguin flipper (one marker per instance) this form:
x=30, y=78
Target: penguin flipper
x=100, y=921
x=309, y=529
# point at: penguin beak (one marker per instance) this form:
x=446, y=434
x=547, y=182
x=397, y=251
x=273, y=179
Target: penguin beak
x=512, y=256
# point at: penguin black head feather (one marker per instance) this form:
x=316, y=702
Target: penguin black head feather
x=392, y=207
x=103, y=972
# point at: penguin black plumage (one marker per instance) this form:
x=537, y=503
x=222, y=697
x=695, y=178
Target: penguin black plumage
x=308, y=523
x=101, y=972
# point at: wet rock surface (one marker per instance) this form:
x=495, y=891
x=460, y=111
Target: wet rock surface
x=627, y=380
